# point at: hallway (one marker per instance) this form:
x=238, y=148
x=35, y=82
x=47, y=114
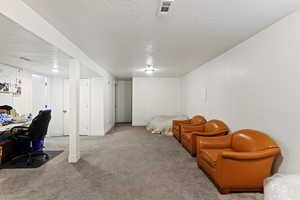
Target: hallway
x=127, y=164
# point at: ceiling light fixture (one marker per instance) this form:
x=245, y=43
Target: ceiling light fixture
x=55, y=70
x=150, y=69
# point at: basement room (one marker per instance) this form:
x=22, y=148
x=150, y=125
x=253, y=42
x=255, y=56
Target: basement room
x=149, y=100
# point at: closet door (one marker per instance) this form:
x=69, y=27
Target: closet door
x=66, y=107
x=84, y=107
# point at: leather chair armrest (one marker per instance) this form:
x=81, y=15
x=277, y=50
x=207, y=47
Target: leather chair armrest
x=210, y=133
x=220, y=142
x=244, y=169
x=191, y=128
x=178, y=122
x=251, y=155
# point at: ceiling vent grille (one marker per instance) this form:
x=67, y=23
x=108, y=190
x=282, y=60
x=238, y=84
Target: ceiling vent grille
x=165, y=6
x=25, y=59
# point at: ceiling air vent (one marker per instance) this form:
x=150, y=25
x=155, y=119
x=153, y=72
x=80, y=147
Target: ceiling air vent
x=25, y=59
x=165, y=6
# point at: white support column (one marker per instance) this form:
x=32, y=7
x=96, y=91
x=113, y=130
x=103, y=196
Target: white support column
x=74, y=81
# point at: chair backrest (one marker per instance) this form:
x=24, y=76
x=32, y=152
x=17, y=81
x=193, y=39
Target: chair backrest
x=6, y=107
x=213, y=125
x=248, y=140
x=39, y=125
x=198, y=119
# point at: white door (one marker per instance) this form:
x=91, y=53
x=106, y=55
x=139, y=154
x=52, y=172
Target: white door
x=66, y=107
x=84, y=109
x=39, y=94
x=124, y=101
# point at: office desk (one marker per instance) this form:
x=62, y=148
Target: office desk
x=8, y=150
x=5, y=130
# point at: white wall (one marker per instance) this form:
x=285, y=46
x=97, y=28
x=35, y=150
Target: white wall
x=154, y=96
x=7, y=75
x=22, y=103
x=255, y=85
x=124, y=101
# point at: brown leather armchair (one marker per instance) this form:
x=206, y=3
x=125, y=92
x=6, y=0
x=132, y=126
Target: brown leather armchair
x=237, y=162
x=176, y=128
x=209, y=129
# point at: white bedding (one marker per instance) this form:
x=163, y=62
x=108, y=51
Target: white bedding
x=162, y=124
x=282, y=187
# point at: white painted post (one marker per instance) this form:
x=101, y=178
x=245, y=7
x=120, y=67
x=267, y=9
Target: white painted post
x=74, y=81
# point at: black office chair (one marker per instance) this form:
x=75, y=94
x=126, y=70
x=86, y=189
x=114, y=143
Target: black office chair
x=31, y=139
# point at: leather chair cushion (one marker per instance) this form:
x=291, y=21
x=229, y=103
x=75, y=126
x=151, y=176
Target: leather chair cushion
x=211, y=155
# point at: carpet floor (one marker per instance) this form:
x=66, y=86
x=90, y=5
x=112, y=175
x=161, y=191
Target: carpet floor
x=127, y=164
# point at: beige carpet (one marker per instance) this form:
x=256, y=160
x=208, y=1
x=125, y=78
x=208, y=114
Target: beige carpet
x=127, y=164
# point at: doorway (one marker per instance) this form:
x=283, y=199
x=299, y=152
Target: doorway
x=124, y=101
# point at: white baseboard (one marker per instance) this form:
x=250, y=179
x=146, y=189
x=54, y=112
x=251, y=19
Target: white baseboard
x=138, y=124
x=74, y=158
x=97, y=133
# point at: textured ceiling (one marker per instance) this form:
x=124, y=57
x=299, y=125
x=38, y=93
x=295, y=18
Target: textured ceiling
x=17, y=42
x=121, y=35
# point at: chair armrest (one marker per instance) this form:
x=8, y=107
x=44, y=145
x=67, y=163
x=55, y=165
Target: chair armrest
x=20, y=137
x=191, y=128
x=19, y=127
x=250, y=155
x=210, y=133
x=178, y=122
x=220, y=142
x=246, y=169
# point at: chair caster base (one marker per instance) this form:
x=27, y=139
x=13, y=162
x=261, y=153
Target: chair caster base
x=29, y=157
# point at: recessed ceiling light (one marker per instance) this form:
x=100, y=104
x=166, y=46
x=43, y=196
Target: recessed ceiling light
x=149, y=72
x=55, y=66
